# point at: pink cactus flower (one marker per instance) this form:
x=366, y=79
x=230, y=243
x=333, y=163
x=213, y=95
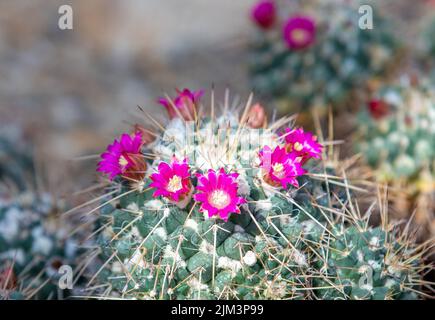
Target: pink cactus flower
x=299, y=32
x=185, y=103
x=280, y=167
x=303, y=144
x=218, y=194
x=264, y=14
x=172, y=180
x=123, y=157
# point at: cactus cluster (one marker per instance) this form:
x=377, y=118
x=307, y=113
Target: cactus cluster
x=312, y=53
x=236, y=220
x=397, y=139
x=34, y=244
x=35, y=239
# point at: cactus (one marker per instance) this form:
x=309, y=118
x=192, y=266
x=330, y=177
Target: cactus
x=217, y=209
x=35, y=238
x=34, y=243
x=313, y=53
x=397, y=140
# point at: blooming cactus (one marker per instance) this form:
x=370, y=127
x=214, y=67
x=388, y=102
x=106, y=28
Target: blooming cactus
x=227, y=211
x=397, y=139
x=306, y=58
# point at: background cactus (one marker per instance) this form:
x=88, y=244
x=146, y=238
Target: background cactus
x=35, y=239
x=314, y=53
x=397, y=139
x=304, y=241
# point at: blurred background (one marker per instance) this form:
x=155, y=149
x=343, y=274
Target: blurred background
x=71, y=91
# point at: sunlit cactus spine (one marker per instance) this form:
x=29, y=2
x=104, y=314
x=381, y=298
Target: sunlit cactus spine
x=397, y=139
x=314, y=53
x=229, y=207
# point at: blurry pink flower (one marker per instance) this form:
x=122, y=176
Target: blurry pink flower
x=172, y=180
x=218, y=194
x=185, y=103
x=280, y=167
x=299, y=32
x=302, y=144
x=264, y=14
x=123, y=157
x=257, y=117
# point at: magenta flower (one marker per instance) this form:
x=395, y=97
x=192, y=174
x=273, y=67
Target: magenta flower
x=185, y=103
x=303, y=144
x=280, y=167
x=299, y=32
x=264, y=14
x=172, y=180
x=218, y=194
x=123, y=157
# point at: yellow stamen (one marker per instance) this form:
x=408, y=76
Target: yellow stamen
x=122, y=161
x=277, y=167
x=298, y=146
x=219, y=199
x=299, y=35
x=174, y=184
x=278, y=170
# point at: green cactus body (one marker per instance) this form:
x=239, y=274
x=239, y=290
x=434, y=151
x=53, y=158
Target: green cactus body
x=338, y=63
x=367, y=263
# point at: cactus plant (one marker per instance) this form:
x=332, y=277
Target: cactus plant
x=35, y=238
x=313, y=53
x=34, y=244
x=397, y=140
x=215, y=208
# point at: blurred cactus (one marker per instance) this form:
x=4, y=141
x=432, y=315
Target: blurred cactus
x=35, y=239
x=315, y=53
x=397, y=139
x=298, y=238
x=34, y=243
